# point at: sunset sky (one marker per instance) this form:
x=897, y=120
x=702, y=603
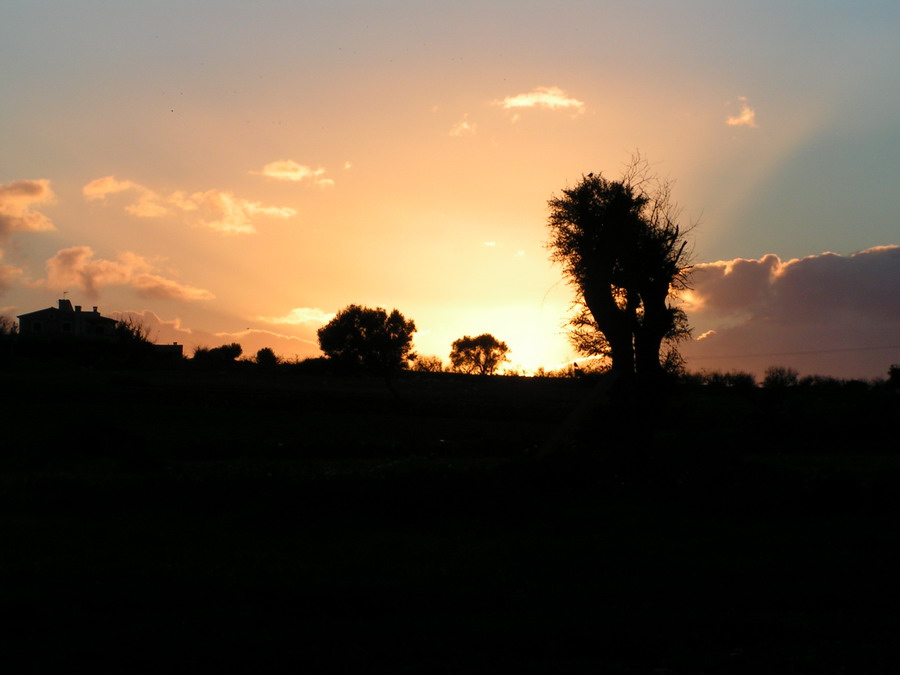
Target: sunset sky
x=237, y=171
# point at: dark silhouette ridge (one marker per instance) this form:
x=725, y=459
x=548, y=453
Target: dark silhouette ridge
x=256, y=522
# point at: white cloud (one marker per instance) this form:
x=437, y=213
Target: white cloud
x=746, y=117
x=76, y=267
x=288, y=169
x=218, y=210
x=463, y=127
x=300, y=315
x=16, y=206
x=549, y=98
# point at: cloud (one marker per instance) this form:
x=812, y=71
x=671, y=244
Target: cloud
x=745, y=118
x=100, y=187
x=225, y=213
x=218, y=210
x=76, y=267
x=16, y=206
x=155, y=286
x=550, y=98
x=288, y=169
x=8, y=275
x=825, y=314
x=463, y=127
x=300, y=315
x=148, y=204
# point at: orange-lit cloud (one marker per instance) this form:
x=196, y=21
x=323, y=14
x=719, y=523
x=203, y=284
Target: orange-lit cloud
x=550, y=98
x=16, y=206
x=288, y=169
x=100, y=187
x=756, y=313
x=300, y=315
x=463, y=128
x=218, y=210
x=745, y=118
x=76, y=267
x=148, y=204
x=223, y=212
x=155, y=286
x=8, y=274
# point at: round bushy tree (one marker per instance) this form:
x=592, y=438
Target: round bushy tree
x=368, y=339
x=482, y=354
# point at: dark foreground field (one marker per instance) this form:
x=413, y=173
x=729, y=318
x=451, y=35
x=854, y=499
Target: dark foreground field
x=242, y=522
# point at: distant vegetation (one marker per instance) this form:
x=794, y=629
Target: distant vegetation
x=482, y=355
x=361, y=338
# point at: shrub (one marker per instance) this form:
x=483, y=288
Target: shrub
x=780, y=377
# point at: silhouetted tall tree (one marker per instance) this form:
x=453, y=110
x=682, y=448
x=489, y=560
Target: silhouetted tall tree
x=368, y=339
x=624, y=253
x=482, y=354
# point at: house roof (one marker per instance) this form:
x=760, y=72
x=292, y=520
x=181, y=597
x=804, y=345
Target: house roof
x=66, y=311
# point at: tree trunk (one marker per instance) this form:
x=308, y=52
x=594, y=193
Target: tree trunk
x=657, y=321
x=616, y=325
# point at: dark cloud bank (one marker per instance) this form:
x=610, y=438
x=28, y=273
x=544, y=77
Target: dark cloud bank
x=826, y=314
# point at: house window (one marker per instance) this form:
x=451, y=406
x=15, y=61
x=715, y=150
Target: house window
x=36, y=327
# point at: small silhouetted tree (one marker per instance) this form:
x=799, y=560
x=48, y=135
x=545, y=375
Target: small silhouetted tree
x=481, y=355
x=131, y=330
x=132, y=340
x=368, y=339
x=428, y=364
x=624, y=253
x=7, y=336
x=218, y=356
x=7, y=326
x=780, y=377
x=266, y=358
x=893, y=381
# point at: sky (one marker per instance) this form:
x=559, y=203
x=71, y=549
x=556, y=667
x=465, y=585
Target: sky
x=239, y=172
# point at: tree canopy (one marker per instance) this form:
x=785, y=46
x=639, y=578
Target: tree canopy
x=624, y=253
x=481, y=355
x=368, y=339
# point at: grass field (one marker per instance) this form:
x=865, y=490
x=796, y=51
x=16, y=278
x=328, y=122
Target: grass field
x=241, y=521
